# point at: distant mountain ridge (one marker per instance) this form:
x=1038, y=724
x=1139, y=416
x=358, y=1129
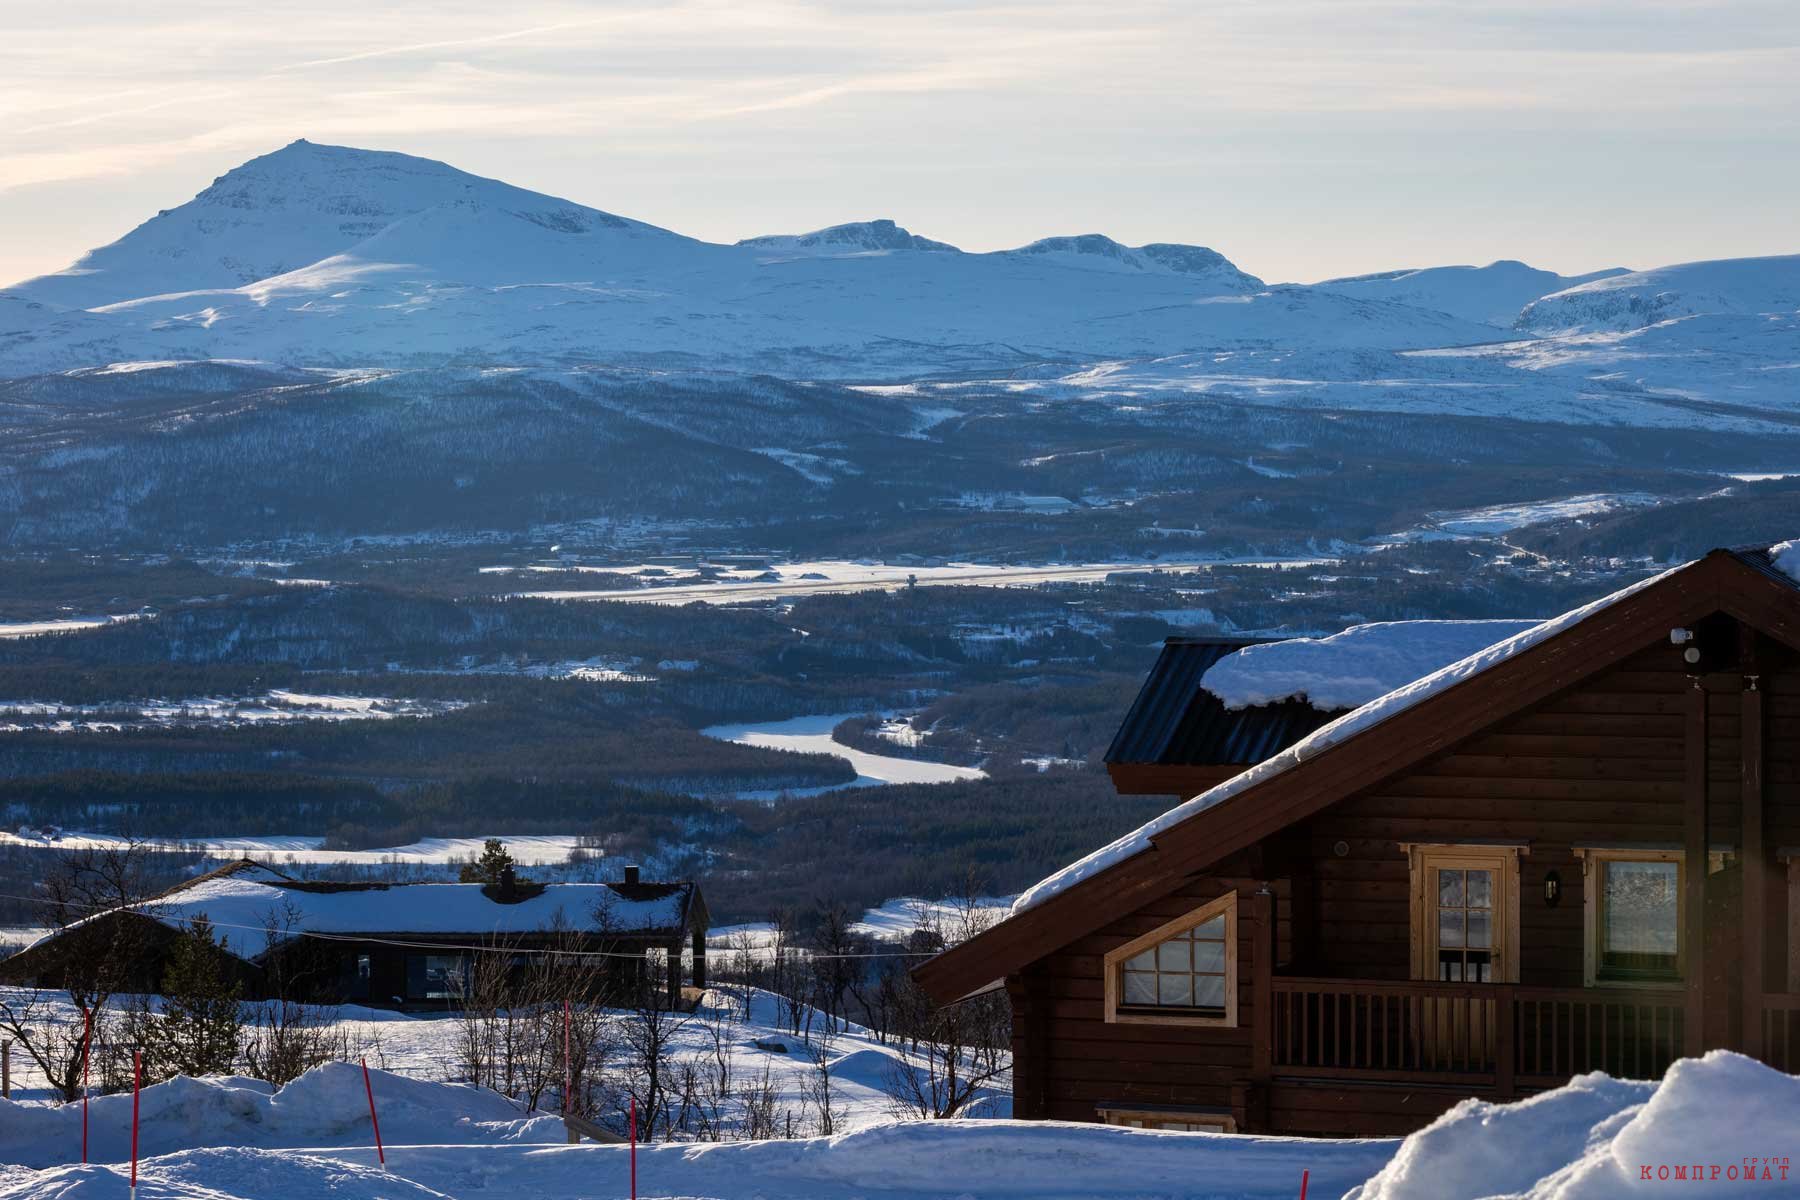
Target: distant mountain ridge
x=1493, y=294
x=340, y=258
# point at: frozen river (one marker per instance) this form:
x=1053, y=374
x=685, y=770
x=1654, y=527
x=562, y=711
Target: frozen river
x=812, y=735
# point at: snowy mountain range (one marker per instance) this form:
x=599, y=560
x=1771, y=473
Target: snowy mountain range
x=327, y=256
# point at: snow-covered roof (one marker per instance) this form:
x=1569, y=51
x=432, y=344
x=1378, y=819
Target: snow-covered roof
x=1349, y=669
x=242, y=900
x=1356, y=721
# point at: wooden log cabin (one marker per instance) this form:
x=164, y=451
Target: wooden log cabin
x=408, y=946
x=1576, y=850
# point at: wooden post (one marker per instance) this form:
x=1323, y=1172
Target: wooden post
x=6, y=1069
x=1756, y=868
x=1030, y=995
x=1793, y=940
x=1505, y=1054
x=1262, y=1008
x=700, y=956
x=675, y=974
x=1693, y=898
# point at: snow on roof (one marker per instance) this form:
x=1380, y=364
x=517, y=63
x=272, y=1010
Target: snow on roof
x=242, y=901
x=1345, y=727
x=1786, y=557
x=1348, y=669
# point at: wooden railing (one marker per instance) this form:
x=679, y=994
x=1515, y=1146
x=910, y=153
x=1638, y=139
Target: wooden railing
x=1502, y=1036
x=1781, y=1032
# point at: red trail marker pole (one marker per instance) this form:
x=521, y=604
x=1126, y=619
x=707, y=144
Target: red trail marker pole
x=87, y=1051
x=1303, y=1174
x=137, y=1087
x=634, y=1148
x=373, y=1119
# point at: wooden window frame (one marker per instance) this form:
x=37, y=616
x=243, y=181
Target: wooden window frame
x=1113, y=966
x=1592, y=857
x=1221, y=1122
x=1501, y=858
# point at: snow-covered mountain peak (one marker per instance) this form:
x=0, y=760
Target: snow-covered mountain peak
x=1733, y=286
x=283, y=212
x=1096, y=250
x=855, y=237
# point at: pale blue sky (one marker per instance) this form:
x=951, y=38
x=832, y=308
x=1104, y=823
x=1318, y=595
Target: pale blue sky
x=1302, y=138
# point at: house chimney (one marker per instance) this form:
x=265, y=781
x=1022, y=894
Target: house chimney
x=631, y=873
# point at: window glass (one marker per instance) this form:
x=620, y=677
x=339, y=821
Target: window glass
x=1640, y=919
x=434, y=976
x=1465, y=924
x=1184, y=971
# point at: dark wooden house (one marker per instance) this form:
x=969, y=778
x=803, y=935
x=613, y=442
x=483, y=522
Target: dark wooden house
x=407, y=946
x=1578, y=850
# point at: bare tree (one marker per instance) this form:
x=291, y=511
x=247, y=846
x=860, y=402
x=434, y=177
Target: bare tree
x=958, y=1050
x=648, y=1034
x=821, y=1097
x=710, y=1077
x=839, y=961
x=99, y=953
x=286, y=1038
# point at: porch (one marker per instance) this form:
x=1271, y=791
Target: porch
x=1369, y=1056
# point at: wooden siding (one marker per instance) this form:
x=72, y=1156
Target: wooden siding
x=1602, y=763
x=1092, y=1061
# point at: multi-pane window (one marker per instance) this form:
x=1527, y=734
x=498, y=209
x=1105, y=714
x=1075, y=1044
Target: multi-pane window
x=1639, y=919
x=1465, y=924
x=1186, y=971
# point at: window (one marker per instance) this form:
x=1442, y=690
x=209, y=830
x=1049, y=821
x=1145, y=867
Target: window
x=1465, y=911
x=434, y=976
x=1174, y=1120
x=1632, y=900
x=1184, y=972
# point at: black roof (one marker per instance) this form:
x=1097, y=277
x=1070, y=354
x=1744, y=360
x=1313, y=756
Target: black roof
x=1176, y=722
x=1759, y=559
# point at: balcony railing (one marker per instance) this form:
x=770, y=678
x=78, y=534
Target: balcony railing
x=1503, y=1036
x=1781, y=1032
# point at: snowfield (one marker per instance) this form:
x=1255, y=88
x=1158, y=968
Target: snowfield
x=1597, y=1138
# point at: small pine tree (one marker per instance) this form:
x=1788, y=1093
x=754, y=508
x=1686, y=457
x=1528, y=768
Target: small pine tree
x=493, y=864
x=201, y=1028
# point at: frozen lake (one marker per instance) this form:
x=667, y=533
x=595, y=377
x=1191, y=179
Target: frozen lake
x=812, y=735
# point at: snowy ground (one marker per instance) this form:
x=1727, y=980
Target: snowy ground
x=1724, y=1117
x=530, y=850
x=786, y=580
x=272, y=707
x=894, y=921
x=813, y=735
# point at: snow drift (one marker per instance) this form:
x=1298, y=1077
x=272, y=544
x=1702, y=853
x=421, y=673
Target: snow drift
x=1722, y=1125
x=324, y=1107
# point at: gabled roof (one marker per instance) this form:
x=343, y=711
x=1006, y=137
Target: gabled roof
x=1341, y=758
